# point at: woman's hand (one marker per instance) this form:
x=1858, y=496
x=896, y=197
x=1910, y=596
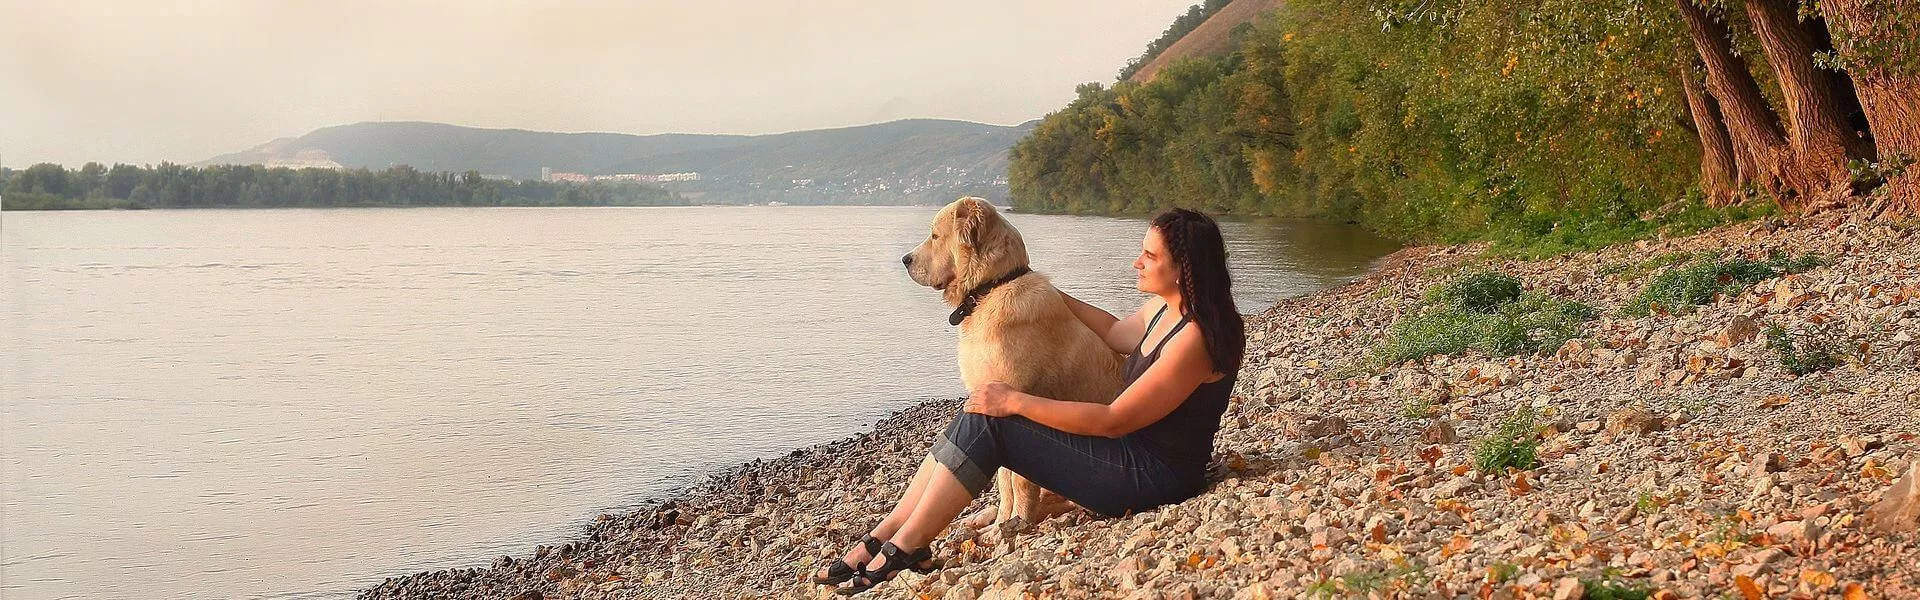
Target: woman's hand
x=994, y=399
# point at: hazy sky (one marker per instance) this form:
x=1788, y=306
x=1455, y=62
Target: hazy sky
x=144, y=81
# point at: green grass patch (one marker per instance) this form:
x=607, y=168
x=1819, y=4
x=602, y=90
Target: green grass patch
x=1481, y=292
x=1629, y=271
x=1512, y=445
x=1417, y=408
x=1699, y=282
x=1403, y=577
x=1610, y=586
x=1808, y=349
x=1532, y=323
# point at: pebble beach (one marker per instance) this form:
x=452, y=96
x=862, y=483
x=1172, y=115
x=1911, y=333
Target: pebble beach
x=1676, y=457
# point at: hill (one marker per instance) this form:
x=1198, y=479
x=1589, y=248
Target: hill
x=901, y=161
x=1213, y=37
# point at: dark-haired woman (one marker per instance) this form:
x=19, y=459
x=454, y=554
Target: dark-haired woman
x=1148, y=448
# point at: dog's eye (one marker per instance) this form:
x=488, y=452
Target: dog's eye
x=936, y=236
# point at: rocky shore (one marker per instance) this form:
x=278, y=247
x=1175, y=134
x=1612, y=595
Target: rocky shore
x=1677, y=458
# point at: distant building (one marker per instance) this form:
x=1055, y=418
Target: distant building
x=663, y=177
x=548, y=174
x=311, y=158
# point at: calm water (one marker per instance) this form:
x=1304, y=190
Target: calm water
x=298, y=403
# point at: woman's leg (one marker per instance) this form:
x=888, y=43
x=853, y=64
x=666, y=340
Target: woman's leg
x=908, y=501
x=901, y=511
x=939, y=504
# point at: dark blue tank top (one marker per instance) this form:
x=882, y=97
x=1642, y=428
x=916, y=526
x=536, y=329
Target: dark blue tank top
x=1185, y=436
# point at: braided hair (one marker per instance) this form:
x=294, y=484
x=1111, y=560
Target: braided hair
x=1194, y=243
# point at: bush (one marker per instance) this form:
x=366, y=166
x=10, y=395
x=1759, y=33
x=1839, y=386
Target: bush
x=1478, y=292
x=1533, y=323
x=1512, y=445
x=1808, y=349
x=1680, y=290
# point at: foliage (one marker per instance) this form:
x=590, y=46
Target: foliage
x=1478, y=292
x=1417, y=407
x=1807, y=349
x=1530, y=323
x=51, y=187
x=1609, y=586
x=1512, y=445
x=1544, y=127
x=1403, y=576
x=1871, y=176
x=1698, y=283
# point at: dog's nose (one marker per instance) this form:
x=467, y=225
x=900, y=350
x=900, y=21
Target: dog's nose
x=907, y=260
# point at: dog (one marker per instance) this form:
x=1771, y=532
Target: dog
x=1014, y=328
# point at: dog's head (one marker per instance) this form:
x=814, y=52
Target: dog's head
x=970, y=244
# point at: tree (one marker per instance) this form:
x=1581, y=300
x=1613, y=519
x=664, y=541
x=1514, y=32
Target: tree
x=1878, y=44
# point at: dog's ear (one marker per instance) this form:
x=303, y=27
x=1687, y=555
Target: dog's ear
x=974, y=220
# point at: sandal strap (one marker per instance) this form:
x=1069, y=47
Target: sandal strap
x=898, y=558
x=872, y=544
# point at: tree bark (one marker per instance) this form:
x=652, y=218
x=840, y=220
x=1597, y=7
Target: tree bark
x=1717, y=178
x=1760, y=147
x=1890, y=96
x=1817, y=131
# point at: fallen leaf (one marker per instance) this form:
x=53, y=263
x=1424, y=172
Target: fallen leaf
x=1816, y=579
x=1520, y=485
x=1748, y=588
x=1855, y=592
x=1431, y=454
x=1774, y=401
x=1874, y=470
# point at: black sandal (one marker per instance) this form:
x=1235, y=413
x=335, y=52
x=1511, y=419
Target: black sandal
x=840, y=571
x=918, y=561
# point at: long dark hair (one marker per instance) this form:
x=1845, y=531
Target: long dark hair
x=1206, y=292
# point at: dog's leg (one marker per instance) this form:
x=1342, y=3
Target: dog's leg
x=1022, y=500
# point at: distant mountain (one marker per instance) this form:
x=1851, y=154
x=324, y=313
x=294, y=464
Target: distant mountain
x=916, y=160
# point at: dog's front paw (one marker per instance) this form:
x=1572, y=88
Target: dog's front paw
x=981, y=519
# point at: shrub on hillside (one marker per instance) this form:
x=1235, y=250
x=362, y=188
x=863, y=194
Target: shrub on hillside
x=1512, y=445
x=1807, y=349
x=1698, y=283
x=1478, y=292
x=1485, y=312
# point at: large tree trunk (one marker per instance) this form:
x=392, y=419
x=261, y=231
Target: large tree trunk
x=1817, y=129
x=1890, y=96
x=1760, y=147
x=1717, y=178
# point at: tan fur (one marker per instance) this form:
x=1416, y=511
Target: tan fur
x=1021, y=333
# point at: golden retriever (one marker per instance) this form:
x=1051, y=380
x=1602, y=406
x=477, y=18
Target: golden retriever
x=1021, y=332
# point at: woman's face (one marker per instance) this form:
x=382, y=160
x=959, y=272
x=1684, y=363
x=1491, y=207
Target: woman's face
x=1155, y=272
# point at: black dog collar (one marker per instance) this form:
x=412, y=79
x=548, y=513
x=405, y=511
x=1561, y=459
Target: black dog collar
x=973, y=297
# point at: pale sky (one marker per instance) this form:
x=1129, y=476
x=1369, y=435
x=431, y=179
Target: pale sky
x=144, y=81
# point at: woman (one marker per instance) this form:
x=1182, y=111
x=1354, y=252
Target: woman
x=1149, y=447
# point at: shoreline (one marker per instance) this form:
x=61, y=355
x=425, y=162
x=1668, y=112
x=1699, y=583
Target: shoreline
x=1676, y=455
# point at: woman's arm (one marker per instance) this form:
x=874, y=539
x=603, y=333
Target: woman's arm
x=1181, y=368
x=1119, y=334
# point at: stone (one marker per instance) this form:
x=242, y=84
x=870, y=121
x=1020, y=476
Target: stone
x=1899, y=508
x=1742, y=329
x=1569, y=588
x=1439, y=432
x=1325, y=426
x=1633, y=420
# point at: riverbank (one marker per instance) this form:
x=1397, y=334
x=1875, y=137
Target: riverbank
x=1676, y=454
